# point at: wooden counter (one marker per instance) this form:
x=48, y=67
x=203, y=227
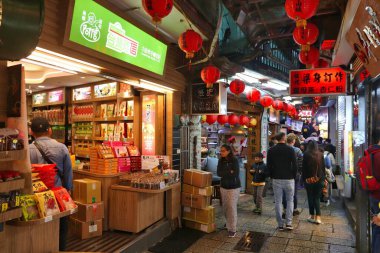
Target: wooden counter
x=133, y=209
x=106, y=181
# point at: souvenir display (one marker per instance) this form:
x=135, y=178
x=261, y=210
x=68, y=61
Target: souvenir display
x=29, y=207
x=46, y=203
x=39, y=186
x=64, y=199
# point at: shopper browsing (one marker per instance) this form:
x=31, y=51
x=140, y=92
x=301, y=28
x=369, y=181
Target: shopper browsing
x=228, y=170
x=282, y=167
x=258, y=171
x=46, y=150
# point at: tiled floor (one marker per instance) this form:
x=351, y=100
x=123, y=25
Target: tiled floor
x=334, y=235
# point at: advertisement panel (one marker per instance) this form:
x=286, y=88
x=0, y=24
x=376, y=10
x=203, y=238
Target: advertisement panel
x=148, y=124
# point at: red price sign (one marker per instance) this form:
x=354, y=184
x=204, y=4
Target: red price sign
x=321, y=82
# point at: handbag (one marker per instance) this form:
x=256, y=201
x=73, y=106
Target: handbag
x=313, y=180
x=329, y=175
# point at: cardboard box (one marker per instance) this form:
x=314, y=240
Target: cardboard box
x=85, y=230
x=196, y=201
x=89, y=212
x=198, y=178
x=205, y=191
x=87, y=191
x=204, y=216
x=208, y=228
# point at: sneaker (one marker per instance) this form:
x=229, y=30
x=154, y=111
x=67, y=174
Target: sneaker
x=231, y=234
x=318, y=221
x=280, y=228
x=289, y=227
x=296, y=212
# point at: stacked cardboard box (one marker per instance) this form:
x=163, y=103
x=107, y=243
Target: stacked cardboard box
x=87, y=222
x=196, y=194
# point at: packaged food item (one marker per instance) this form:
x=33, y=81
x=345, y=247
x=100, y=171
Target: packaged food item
x=198, y=178
x=130, y=107
x=64, y=199
x=14, y=199
x=133, y=150
x=103, y=110
x=103, y=129
x=39, y=186
x=110, y=110
x=111, y=129
x=29, y=207
x=122, y=108
x=46, y=203
x=4, y=202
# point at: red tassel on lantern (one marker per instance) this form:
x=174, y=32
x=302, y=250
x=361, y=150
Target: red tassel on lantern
x=210, y=75
x=278, y=105
x=237, y=87
x=253, y=95
x=309, y=57
x=266, y=101
x=244, y=120
x=300, y=10
x=233, y=119
x=222, y=119
x=211, y=119
x=190, y=42
x=306, y=36
x=157, y=9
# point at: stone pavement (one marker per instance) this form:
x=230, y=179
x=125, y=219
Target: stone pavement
x=334, y=235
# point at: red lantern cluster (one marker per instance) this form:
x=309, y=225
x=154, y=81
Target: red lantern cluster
x=278, y=105
x=266, y=101
x=309, y=57
x=307, y=35
x=158, y=9
x=300, y=10
x=210, y=75
x=222, y=119
x=237, y=87
x=233, y=119
x=190, y=42
x=253, y=95
x=244, y=120
x=211, y=119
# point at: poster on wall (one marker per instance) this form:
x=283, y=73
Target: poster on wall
x=39, y=99
x=14, y=91
x=148, y=124
x=208, y=100
x=56, y=96
x=105, y=90
x=364, y=35
x=82, y=93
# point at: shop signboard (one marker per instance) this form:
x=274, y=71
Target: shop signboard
x=105, y=90
x=97, y=28
x=56, y=96
x=208, y=100
x=321, y=82
x=148, y=125
x=364, y=35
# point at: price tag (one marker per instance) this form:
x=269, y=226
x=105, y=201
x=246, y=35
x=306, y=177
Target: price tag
x=202, y=192
x=72, y=211
x=17, y=200
x=48, y=218
x=162, y=185
x=4, y=207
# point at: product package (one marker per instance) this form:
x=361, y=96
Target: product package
x=14, y=199
x=4, y=202
x=110, y=110
x=122, y=108
x=39, y=186
x=103, y=129
x=29, y=207
x=46, y=203
x=130, y=108
x=198, y=178
x=103, y=110
x=87, y=191
x=64, y=199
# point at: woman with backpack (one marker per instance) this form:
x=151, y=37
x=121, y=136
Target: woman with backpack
x=313, y=173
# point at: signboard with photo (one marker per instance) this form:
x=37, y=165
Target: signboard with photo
x=39, y=99
x=208, y=100
x=105, y=90
x=56, y=96
x=82, y=93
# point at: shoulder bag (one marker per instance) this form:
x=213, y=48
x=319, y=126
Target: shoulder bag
x=315, y=179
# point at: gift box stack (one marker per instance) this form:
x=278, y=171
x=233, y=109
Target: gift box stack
x=87, y=222
x=135, y=157
x=196, y=193
x=102, y=160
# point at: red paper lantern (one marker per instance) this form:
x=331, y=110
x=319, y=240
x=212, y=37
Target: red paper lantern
x=306, y=36
x=190, y=42
x=222, y=119
x=211, y=119
x=321, y=63
x=253, y=95
x=309, y=57
x=278, y=105
x=210, y=75
x=244, y=120
x=157, y=9
x=237, y=87
x=233, y=119
x=285, y=107
x=300, y=10
x=266, y=101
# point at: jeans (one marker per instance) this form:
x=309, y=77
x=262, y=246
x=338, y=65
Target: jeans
x=287, y=186
x=63, y=229
x=230, y=199
x=295, y=199
x=314, y=192
x=258, y=196
x=375, y=209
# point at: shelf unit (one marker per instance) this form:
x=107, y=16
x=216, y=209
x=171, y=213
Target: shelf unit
x=104, y=119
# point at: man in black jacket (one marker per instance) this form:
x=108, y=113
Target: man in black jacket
x=282, y=167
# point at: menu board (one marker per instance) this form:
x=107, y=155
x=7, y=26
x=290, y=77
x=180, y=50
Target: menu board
x=208, y=100
x=56, y=96
x=82, y=93
x=39, y=99
x=105, y=90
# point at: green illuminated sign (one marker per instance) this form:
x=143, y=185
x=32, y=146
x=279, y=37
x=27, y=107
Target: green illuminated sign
x=95, y=27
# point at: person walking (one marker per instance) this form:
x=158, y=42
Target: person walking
x=313, y=173
x=228, y=170
x=259, y=173
x=282, y=167
x=46, y=150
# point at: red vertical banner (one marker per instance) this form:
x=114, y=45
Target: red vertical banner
x=148, y=124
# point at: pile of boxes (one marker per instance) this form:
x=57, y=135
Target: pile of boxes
x=87, y=222
x=196, y=193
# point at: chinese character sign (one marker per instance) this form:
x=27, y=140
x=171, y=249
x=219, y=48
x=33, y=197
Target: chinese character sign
x=148, y=124
x=208, y=100
x=325, y=81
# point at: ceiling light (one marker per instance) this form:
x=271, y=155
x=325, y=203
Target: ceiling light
x=287, y=98
x=41, y=86
x=149, y=86
x=48, y=66
x=82, y=77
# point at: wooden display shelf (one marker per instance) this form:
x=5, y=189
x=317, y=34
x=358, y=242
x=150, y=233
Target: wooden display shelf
x=82, y=101
x=10, y=214
x=74, y=120
x=133, y=189
x=12, y=155
x=12, y=185
x=57, y=123
x=42, y=220
x=122, y=96
x=83, y=155
x=87, y=137
x=116, y=118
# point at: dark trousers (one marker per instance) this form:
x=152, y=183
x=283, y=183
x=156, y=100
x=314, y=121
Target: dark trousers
x=314, y=192
x=375, y=209
x=295, y=199
x=63, y=229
